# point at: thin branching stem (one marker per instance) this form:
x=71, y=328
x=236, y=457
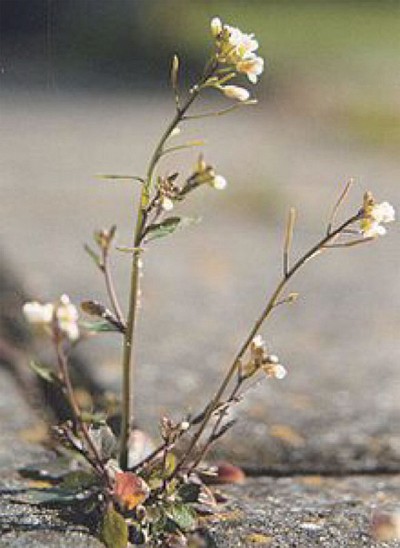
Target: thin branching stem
x=221, y=112
x=312, y=252
x=288, y=240
x=111, y=292
x=206, y=447
x=340, y=201
x=76, y=412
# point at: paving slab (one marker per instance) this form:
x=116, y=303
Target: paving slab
x=307, y=512
x=339, y=407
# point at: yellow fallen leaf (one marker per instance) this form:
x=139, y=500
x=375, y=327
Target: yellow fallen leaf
x=259, y=538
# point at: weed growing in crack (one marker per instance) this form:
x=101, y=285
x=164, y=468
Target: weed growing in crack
x=157, y=495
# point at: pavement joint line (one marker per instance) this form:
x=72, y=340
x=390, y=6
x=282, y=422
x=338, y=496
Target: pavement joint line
x=253, y=472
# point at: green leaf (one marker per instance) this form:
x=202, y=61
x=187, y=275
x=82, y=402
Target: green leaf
x=127, y=249
x=52, y=496
x=182, y=515
x=120, y=178
x=114, y=530
x=170, y=464
x=93, y=255
x=43, y=372
x=189, y=492
x=99, y=327
x=95, y=419
x=157, y=517
x=168, y=226
x=77, y=479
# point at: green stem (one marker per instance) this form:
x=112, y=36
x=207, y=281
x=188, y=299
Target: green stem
x=128, y=345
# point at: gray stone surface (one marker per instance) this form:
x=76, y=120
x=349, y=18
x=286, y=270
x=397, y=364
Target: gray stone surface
x=307, y=512
x=22, y=525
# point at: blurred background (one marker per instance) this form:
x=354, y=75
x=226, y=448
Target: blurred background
x=84, y=90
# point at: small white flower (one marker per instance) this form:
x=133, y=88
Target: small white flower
x=175, y=132
x=235, y=92
x=244, y=43
x=216, y=26
x=219, y=182
x=258, y=341
x=67, y=318
x=37, y=313
x=273, y=359
x=276, y=371
x=383, y=213
x=252, y=67
x=280, y=371
x=373, y=215
x=373, y=229
x=64, y=313
x=237, y=49
x=167, y=204
x=185, y=425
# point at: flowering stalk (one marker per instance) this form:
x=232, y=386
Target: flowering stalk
x=272, y=303
x=140, y=231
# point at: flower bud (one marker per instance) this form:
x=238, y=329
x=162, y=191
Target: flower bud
x=235, y=92
x=216, y=26
x=219, y=182
x=167, y=204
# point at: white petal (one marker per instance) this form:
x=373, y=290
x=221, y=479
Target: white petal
x=167, y=204
x=279, y=372
x=258, y=341
x=219, y=182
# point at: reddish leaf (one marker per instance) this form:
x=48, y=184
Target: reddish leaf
x=130, y=490
x=228, y=473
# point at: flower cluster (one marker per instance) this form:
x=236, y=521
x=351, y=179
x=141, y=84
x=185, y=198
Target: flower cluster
x=373, y=215
x=261, y=359
x=63, y=315
x=237, y=49
x=205, y=174
x=168, y=191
